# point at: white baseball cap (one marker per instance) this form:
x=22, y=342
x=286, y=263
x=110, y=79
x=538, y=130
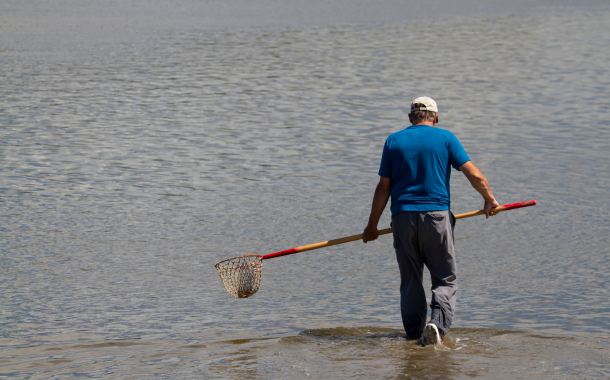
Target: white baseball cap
x=428, y=104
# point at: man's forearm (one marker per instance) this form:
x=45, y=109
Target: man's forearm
x=481, y=185
x=477, y=180
x=380, y=200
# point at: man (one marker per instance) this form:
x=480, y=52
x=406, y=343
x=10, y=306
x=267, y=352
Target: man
x=415, y=171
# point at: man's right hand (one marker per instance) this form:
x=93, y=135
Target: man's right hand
x=488, y=206
x=370, y=233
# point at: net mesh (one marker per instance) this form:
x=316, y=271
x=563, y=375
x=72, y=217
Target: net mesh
x=241, y=275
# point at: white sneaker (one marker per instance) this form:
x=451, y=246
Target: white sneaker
x=431, y=335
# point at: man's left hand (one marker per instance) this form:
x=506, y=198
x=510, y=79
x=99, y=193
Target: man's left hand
x=489, y=204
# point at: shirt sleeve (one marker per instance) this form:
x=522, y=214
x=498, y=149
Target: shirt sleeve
x=385, y=169
x=457, y=154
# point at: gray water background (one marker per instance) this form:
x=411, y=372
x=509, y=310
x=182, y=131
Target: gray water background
x=142, y=142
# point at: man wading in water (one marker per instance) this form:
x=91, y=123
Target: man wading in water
x=415, y=170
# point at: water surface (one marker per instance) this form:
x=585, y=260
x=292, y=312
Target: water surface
x=144, y=142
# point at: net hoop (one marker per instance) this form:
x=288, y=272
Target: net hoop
x=241, y=275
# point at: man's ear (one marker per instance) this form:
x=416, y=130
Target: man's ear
x=410, y=119
x=436, y=119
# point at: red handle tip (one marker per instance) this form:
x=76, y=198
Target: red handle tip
x=519, y=205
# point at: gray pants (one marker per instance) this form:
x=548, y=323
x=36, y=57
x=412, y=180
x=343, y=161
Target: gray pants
x=425, y=238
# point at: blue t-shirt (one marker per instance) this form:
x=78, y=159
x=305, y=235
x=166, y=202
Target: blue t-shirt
x=418, y=161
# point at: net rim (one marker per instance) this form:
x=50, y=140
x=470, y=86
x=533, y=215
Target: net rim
x=227, y=261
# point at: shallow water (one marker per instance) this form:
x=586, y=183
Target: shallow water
x=340, y=352
x=142, y=143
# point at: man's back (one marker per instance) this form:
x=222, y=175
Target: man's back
x=418, y=161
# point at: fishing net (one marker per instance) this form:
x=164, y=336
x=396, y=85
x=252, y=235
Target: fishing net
x=241, y=275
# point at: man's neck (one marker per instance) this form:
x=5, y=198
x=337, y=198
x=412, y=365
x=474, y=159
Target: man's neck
x=428, y=123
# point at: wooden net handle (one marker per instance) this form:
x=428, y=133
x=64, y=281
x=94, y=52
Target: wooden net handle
x=386, y=231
